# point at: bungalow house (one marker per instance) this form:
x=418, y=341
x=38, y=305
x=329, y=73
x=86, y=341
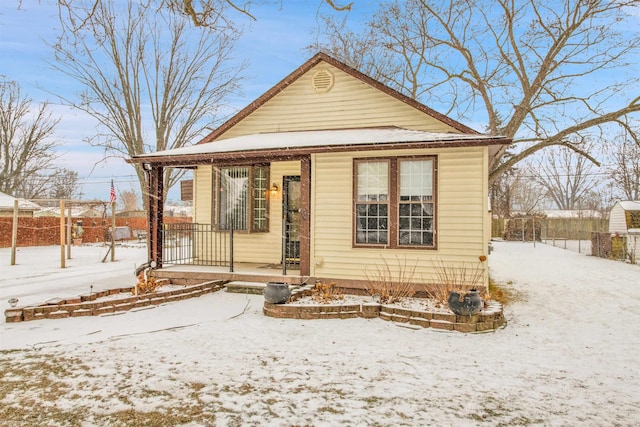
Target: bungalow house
x=326, y=176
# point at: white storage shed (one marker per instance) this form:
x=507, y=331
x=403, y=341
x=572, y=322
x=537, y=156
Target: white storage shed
x=624, y=220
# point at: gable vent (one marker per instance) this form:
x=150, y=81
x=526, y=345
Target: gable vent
x=322, y=81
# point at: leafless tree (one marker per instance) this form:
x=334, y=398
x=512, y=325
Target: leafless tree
x=542, y=72
x=62, y=184
x=202, y=13
x=568, y=178
x=145, y=70
x=517, y=191
x=26, y=140
x=129, y=200
x=527, y=194
x=363, y=51
x=625, y=171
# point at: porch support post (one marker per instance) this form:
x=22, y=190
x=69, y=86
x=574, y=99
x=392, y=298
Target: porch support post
x=305, y=216
x=156, y=208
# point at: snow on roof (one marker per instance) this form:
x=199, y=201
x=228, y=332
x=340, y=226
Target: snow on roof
x=630, y=205
x=318, y=138
x=572, y=213
x=6, y=202
x=76, y=211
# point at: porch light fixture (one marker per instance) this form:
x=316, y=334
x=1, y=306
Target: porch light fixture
x=146, y=166
x=274, y=189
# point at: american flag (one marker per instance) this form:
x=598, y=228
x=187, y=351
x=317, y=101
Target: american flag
x=112, y=193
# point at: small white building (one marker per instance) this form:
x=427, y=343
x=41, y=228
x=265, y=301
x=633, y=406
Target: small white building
x=25, y=207
x=624, y=220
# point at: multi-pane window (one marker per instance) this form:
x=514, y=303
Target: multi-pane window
x=242, y=198
x=415, y=203
x=372, y=202
x=394, y=202
x=260, y=184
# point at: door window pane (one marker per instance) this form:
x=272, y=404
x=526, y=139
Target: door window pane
x=260, y=183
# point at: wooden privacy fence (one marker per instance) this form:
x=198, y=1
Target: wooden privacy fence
x=45, y=231
x=547, y=228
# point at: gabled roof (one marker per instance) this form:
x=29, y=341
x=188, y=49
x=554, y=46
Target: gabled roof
x=315, y=60
x=630, y=205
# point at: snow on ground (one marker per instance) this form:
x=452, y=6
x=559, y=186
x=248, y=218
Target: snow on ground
x=37, y=275
x=567, y=357
x=580, y=246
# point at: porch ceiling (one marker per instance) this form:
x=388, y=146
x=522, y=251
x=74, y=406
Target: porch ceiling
x=289, y=145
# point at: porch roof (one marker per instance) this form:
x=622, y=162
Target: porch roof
x=278, y=145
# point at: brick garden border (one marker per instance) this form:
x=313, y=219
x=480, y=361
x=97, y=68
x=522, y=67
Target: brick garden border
x=489, y=319
x=86, y=305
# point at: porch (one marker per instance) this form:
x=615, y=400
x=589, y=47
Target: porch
x=188, y=274
x=195, y=253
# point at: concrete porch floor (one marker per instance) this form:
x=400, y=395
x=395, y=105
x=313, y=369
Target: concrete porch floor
x=187, y=274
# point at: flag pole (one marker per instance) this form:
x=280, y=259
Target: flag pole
x=112, y=198
x=113, y=231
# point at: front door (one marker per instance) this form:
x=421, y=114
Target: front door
x=291, y=222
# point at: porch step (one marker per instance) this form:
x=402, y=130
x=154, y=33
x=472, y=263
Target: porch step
x=240, y=287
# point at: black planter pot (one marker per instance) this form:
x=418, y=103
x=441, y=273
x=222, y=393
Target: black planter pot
x=277, y=293
x=468, y=305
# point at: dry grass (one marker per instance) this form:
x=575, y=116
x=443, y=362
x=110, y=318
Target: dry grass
x=502, y=293
x=325, y=292
x=146, y=285
x=391, y=286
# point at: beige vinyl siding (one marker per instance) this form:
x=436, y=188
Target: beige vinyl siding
x=461, y=216
x=202, y=194
x=351, y=103
x=202, y=211
x=249, y=247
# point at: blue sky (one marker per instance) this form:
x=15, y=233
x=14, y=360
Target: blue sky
x=273, y=47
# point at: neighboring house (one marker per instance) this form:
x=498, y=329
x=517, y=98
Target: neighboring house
x=624, y=220
x=25, y=207
x=356, y=174
x=76, y=212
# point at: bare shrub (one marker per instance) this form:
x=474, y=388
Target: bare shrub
x=389, y=286
x=458, y=277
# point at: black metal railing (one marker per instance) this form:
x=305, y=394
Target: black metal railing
x=197, y=244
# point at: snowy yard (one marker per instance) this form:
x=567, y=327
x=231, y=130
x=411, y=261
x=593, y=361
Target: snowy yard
x=569, y=355
x=580, y=246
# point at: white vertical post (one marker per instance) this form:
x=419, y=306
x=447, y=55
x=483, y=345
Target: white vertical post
x=533, y=219
x=14, y=232
x=69, y=231
x=62, y=234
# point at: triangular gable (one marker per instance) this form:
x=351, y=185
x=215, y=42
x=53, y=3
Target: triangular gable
x=298, y=103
